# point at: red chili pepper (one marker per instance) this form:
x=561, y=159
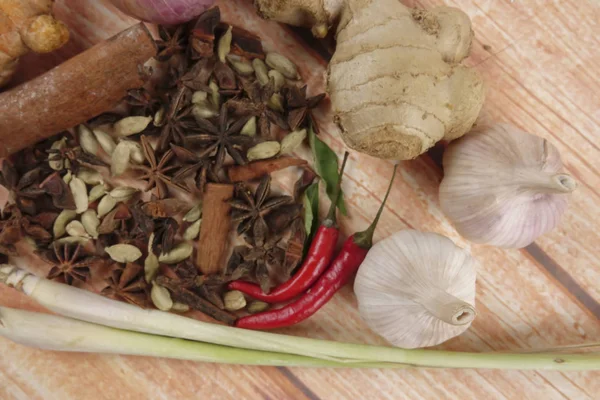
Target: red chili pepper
x=346, y=263
x=318, y=258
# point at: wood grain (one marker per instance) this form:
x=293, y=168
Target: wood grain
x=541, y=74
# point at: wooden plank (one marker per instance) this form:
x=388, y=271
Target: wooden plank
x=541, y=76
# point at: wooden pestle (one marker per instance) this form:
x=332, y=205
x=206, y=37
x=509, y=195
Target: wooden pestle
x=75, y=91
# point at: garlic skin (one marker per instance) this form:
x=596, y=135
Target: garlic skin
x=417, y=289
x=504, y=187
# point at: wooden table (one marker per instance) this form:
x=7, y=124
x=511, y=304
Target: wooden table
x=541, y=69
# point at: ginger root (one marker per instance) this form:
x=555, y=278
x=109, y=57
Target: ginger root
x=395, y=81
x=27, y=25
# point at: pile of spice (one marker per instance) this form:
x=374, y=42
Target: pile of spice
x=149, y=198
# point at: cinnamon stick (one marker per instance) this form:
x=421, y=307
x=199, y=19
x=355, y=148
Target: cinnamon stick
x=75, y=91
x=214, y=233
x=258, y=169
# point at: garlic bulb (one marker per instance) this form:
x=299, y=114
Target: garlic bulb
x=503, y=186
x=416, y=289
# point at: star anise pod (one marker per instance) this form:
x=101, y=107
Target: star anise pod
x=73, y=158
x=178, y=121
x=25, y=189
x=250, y=209
x=173, y=40
x=223, y=138
x=14, y=225
x=201, y=168
x=165, y=230
x=268, y=257
x=157, y=171
x=301, y=108
x=69, y=263
x=56, y=187
x=142, y=102
x=127, y=283
x=257, y=104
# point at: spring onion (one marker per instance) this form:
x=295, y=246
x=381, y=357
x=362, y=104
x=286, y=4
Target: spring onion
x=86, y=306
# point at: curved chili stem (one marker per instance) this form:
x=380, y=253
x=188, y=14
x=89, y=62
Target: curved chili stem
x=331, y=215
x=364, y=239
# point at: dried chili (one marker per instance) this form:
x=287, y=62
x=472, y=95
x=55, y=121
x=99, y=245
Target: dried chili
x=318, y=258
x=346, y=263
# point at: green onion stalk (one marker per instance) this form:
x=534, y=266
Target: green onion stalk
x=133, y=330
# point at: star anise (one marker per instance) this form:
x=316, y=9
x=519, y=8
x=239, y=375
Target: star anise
x=69, y=264
x=14, y=225
x=10, y=230
x=127, y=283
x=157, y=170
x=257, y=104
x=301, y=108
x=223, y=138
x=165, y=230
x=201, y=168
x=25, y=189
x=73, y=158
x=55, y=186
x=268, y=256
x=142, y=102
x=178, y=121
x=250, y=209
x=172, y=41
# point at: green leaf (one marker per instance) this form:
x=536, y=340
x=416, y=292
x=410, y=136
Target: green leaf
x=311, y=213
x=326, y=165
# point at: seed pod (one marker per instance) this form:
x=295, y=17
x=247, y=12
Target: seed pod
x=151, y=266
x=194, y=214
x=249, y=128
x=282, y=64
x=60, y=224
x=243, y=68
x=76, y=229
x=73, y=240
x=257, y=306
x=67, y=178
x=136, y=153
x=224, y=46
x=120, y=159
x=91, y=222
x=234, y=300
x=123, y=193
x=263, y=151
x=179, y=253
x=180, y=307
x=80, y=194
x=292, y=141
x=215, y=95
x=202, y=111
x=161, y=297
x=262, y=73
x=58, y=165
x=278, y=79
x=192, y=231
x=159, y=117
x=106, y=205
x=131, y=125
x=199, y=97
x=105, y=140
x=276, y=102
x=87, y=141
x=97, y=192
x=123, y=253
x=90, y=176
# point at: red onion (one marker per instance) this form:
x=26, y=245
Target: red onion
x=167, y=12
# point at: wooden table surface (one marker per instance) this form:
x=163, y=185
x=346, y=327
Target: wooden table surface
x=541, y=70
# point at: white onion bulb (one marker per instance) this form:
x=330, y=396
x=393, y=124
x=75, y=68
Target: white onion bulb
x=504, y=187
x=417, y=289
x=167, y=12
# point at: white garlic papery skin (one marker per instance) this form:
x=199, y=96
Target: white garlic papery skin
x=416, y=289
x=504, y=187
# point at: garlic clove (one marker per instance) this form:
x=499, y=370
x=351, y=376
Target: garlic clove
x=504, y=187
x=417, y=289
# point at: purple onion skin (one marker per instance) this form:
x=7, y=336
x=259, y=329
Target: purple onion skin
x=165, y=12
